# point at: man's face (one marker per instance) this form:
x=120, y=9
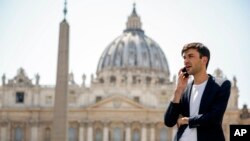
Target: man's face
x=193, y=62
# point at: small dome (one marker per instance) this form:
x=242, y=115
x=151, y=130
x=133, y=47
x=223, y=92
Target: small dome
x=133, y=50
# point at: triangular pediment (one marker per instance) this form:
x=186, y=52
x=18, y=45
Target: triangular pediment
x=117, y=102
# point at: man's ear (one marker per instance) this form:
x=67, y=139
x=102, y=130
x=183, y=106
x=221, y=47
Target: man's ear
x=204, y=59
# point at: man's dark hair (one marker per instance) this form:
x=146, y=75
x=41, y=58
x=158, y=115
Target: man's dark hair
x=202, y=49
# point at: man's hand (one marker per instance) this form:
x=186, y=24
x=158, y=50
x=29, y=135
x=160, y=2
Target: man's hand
x=181, y=85
x=182, y=121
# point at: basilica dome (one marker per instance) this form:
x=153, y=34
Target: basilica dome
x=133, y=50
x=133, y=58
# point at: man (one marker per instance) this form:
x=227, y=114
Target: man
x=198, y=107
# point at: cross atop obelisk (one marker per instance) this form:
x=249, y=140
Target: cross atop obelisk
x=60, y=120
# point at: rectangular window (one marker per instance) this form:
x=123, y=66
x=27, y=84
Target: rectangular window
x=72, y=97
x=98, y=98
x=72, y=134
x=134, y=80
x=19, y=97
x=18, y=134
x=136, y=99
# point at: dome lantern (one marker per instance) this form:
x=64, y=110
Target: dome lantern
x=134, y=22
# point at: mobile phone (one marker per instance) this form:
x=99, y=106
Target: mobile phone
x=184, y=70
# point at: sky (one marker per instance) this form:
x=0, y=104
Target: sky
x=29, y=32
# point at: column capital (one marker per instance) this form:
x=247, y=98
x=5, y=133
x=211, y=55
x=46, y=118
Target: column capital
x=20, y=124
x=90, y=122
x=33, y=122
x=106, y=123
x=86, y=122
x=152, y=124
x=82, y=123
x=128, y=123
x=145, y=123
x=4, y=123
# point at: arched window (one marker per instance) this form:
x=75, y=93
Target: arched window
x=161, y=80
x=112, y=79
x=117, y=134
x=101, y=80
x=124, y=79
x=72, y=135
x=18, y=134
x=136, y=135
x=148, y=80
x=163, y=134
x=98, y=135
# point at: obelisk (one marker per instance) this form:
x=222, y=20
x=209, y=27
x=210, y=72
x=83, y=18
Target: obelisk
x=60, y=113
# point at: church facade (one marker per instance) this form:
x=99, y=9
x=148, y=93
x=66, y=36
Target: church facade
x=126, y=101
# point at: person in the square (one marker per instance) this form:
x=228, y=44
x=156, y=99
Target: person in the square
x=198, y=106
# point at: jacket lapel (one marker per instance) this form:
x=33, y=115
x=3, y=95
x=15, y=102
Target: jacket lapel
x=206, y=94
x=187, y=97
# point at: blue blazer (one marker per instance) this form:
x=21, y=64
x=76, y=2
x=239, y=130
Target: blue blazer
x=212, y=108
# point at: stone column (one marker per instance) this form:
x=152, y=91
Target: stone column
x=128, y=132
x=34, y=131
x=81, y=131
x=3, y=131
x=152, y=132
x=90, y=132
x=105, y=132
x=144, y=132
